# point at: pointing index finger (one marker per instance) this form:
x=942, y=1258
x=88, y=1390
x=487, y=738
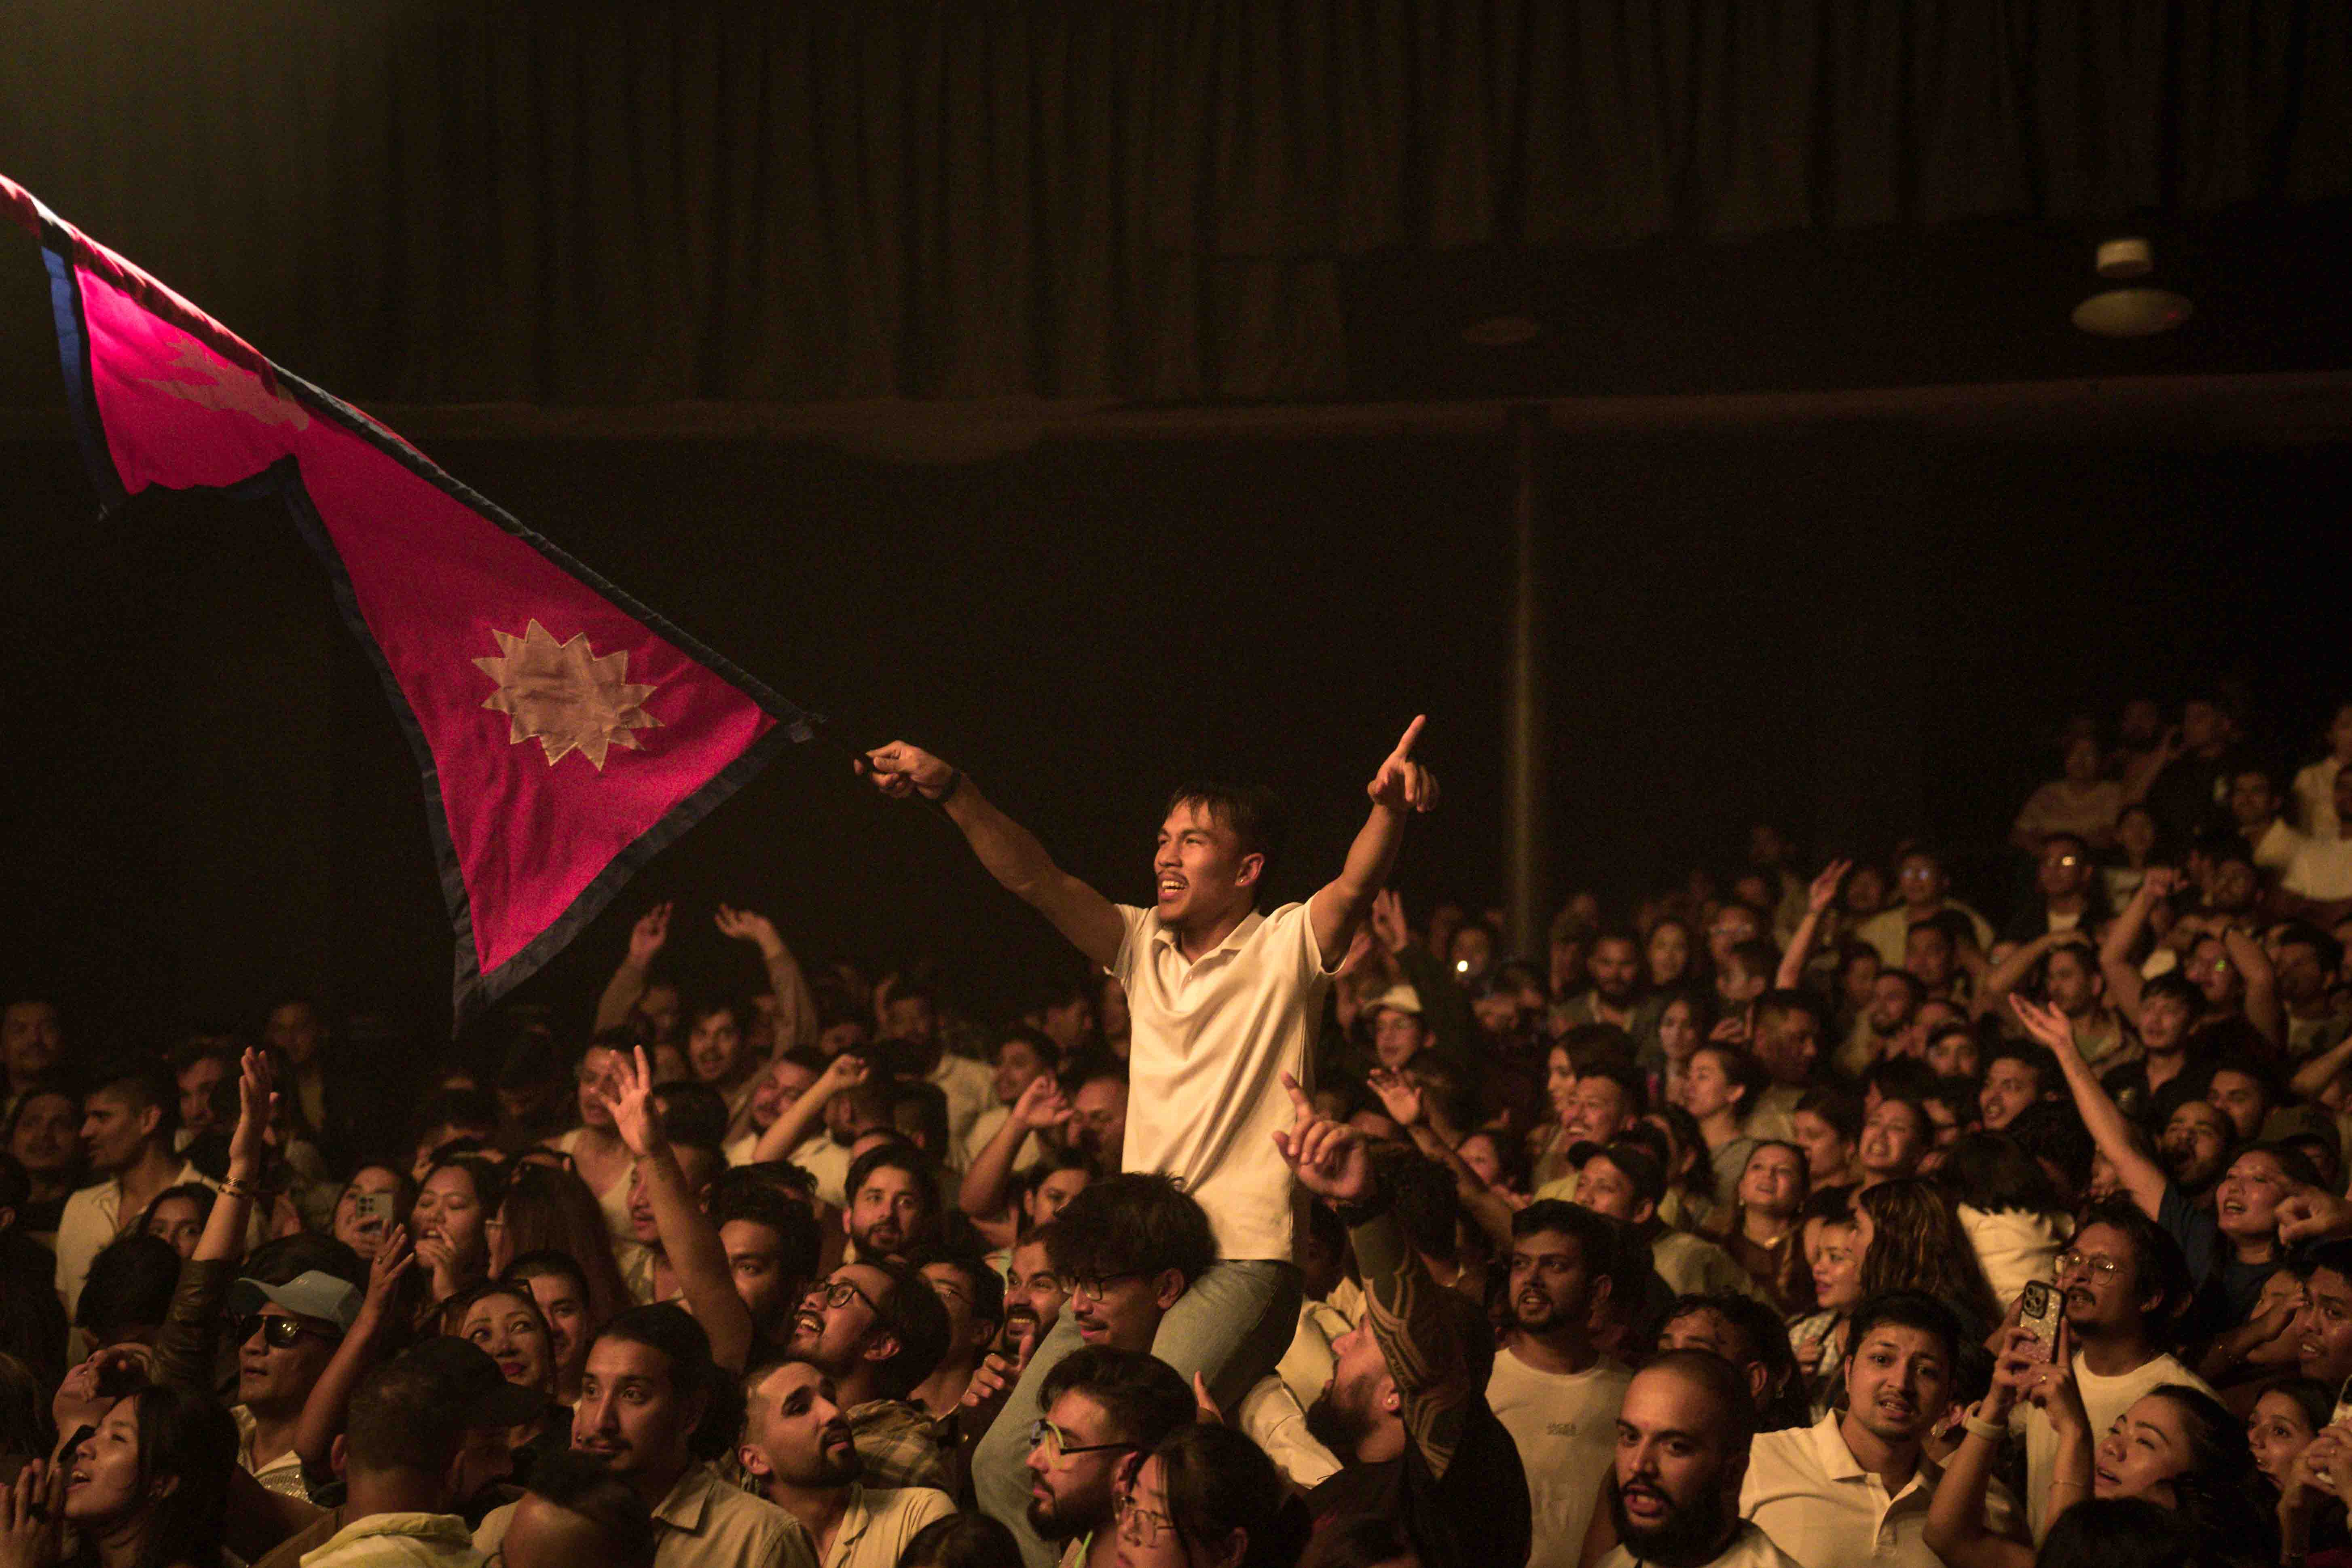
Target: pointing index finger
x=1298, y=1100
x=1411, y=733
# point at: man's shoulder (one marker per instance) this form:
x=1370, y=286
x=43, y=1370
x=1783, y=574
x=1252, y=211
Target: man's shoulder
x=84, y=1200
x=909, y=1508
x=491, y=1533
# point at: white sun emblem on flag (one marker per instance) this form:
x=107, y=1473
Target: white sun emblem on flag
x=565, y=697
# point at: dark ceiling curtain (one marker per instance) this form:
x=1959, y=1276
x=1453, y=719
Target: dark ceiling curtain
x=589, y=202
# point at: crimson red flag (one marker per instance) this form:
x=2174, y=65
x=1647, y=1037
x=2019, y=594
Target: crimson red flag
x=566, y=732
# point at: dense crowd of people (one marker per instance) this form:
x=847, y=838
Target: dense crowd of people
x=1795, y=1216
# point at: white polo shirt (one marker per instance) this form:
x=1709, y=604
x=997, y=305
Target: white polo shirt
x=1210, y=1042
x=1810, y=1494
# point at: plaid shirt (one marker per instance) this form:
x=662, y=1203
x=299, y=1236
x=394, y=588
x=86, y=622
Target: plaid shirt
x=899, y=1444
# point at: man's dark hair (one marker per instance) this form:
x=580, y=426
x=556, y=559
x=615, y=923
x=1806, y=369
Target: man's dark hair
x=2181, y=988
x=2033, y=1057
x=1993, y=1171
x=1784, y=1405
x=692, y=1113
x=1908, y=1309
x=16, y=1183
x=1133, y=1222
x=1900, y=1078
x=457, y=1107
x=1837, y=1105
x=1091, y=1067
x=1589, y=1046
x=961, y=1541
x=2054, y=1132
x=576, y=1483
x=201, y=1048
x=799, y=1246
x=1038, y=1043
x=1252, y=812
x=914, y=1314
x=401, y=1419
x=1594, y=1239
x=1723, y=1382
x=730, y=1003
x=1913, y=986
x=984, y=1285
x=1142, y=1397
x=931, y=1111
x=2246, y=1066
x=1629, y=1080
x=1757, y=955
x=1783, y=1001
x=2324, y=947
x=141, y=1081
x=2293, y=1163
x=129, y=1285
x=670, y=1329
x=2163, y=1269
x=898, y=1154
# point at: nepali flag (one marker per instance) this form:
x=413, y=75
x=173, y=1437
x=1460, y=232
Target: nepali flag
x=566, y=732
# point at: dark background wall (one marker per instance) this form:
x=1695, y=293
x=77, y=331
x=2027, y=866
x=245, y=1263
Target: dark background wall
x=1858, y=635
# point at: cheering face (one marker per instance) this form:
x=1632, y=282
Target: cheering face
x=1893, y=1138
x=1034, y=1295
x=1017, y=1065
x=510, y=1328
x=1897, y=1382
x=102, y=1488
x=2245, y=1204
x=1774, y=1182
x=1200, y=876
x=2194, y=1144
x=715, y=1048
x=2277, y=1431
x=839, y=1316
x=780, y=1089
x=2148, y=1445
x=1551, y=1288
x=1597, y=1109
x=2010, y=1086
x=1675, y=1489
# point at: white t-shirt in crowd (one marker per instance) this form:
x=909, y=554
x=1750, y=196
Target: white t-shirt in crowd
x=92, y=1217
x=1565, y=1428
x=970, y=1089
x=2320, y=870
x=2013, y=1247
x=1751, y=1548
x=828, y=1164
x=2314, y=793
x=2104, y=1399
x=1210, y=1042
x=1810, y=1494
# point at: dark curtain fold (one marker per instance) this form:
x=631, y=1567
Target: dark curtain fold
x=589, y=202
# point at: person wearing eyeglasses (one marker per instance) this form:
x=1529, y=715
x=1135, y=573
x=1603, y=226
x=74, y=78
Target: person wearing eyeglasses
x=973, y=1295
x=799, y=1453
x=877, y=1329
x=286, y=1319
x=1921, y=890
x=1105, y=1409
x=2126, y=1283
x=1209, y=1498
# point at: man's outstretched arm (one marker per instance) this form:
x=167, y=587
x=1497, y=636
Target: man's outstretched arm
x=1010, y=851
x=1400, y=788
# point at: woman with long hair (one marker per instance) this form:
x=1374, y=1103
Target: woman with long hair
x=546, y=1210
x=2283, y=1421
x=1761, y=1229
x=147, y=1488
x=505, y=1321
x=2176, y=1447
x=1834, y=1259
x=594, y=1148
x=1690, y=1176
x=2006, y=1203
x=559, y=1288
x=1209, y=1498
x=451, y=1223
x=391, y=1195
x=1911, y=1240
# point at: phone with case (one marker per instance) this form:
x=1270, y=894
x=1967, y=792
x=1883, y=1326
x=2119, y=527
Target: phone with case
x=2039, y=1312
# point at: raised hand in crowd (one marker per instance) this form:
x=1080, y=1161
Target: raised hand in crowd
x=1326, y=1157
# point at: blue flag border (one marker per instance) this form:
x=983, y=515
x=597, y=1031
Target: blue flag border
x=472, y=990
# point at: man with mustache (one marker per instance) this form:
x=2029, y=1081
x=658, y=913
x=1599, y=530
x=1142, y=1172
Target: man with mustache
x=1856, y=1487
x=1226, y=1001
x=644, y=1401
x=1105, y=1409
x=1682, y=1454
x=893, y=1202
x=2126, y=1281
x=1552, y=1386
x=1034, y=1293
x=877, y=1329
x=799, y=1453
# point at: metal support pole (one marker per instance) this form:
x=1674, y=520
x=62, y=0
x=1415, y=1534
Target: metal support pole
x=1526, y=735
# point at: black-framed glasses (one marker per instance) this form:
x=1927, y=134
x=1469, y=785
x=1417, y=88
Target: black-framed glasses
x=277, y=1333
x=1138, y=1524
x=1043, y=1434
x=841, y=1292
x=1091, y=1286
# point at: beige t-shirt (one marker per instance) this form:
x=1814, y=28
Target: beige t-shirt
x=1211, y=1040
x=701, y=1521
x=1565, y=1428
